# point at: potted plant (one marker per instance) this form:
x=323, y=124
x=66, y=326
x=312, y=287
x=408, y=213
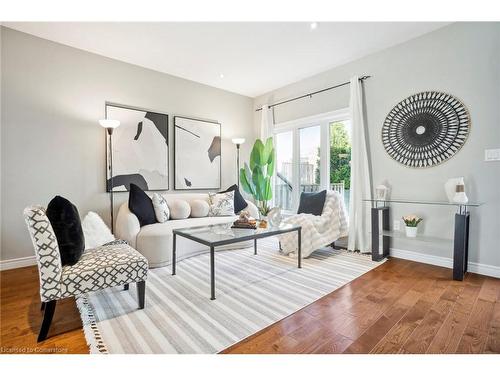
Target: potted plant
x=411, y=222
x=256, y=178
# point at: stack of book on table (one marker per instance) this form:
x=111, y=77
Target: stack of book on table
x=246, y=223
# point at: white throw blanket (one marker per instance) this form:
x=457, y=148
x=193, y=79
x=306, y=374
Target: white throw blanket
x=317, y=231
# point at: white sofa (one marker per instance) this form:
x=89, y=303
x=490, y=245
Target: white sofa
x=155, y=241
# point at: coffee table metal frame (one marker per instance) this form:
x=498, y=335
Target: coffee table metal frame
x=251, y=236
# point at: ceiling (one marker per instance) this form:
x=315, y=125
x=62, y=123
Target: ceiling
x=246, y=58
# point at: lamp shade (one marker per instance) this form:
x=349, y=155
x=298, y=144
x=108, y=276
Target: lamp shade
x=109, y=124
x=238, y=141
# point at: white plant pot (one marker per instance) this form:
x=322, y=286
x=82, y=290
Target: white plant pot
x=411, y=231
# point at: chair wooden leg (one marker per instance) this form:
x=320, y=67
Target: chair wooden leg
x=125, y=287
x=47, y=320
x=141, y=293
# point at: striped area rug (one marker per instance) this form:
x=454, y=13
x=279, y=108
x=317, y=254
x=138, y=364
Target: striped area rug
x=252, y=293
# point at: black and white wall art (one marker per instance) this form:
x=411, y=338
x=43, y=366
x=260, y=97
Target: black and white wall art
x=140, y=149
x=197, y=154
x=426, y=129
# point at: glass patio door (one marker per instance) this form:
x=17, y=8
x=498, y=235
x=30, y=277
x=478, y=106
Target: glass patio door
x=312, y=154
x=340, y=158
x=284, y=174
x=310, y=159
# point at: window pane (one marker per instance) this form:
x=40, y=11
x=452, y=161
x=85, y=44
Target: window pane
x=310, y=159
x=340, y=158
x=284, y=156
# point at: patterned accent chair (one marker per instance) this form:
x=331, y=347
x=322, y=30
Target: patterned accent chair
x=106, y=266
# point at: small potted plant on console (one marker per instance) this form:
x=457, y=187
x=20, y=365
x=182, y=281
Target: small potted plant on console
x=411, y=222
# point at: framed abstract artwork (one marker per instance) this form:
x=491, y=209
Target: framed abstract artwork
x=140, y=149
x=197, y=154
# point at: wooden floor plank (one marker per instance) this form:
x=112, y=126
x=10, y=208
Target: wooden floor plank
x=489, y=290
x=476, y=332
x=395, y=305
x=399, y=334
x=335, y=345
x=493, y=342
x=448, y=336
x=421, y=338
x=389, y=309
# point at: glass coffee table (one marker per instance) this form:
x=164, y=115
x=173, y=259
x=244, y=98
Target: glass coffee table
x=223, y=234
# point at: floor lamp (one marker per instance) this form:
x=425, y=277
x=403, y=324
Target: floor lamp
x=238, y=142
x=109, y=125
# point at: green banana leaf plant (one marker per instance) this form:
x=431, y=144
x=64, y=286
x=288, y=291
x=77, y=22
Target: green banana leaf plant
x=256, y=178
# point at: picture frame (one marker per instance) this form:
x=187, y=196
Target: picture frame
x=197, y=154
x=140, y=149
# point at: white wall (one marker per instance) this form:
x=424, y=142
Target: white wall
x=52, y=97
x=462, y=59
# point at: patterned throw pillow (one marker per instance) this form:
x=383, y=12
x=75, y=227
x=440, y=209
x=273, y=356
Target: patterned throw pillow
x=160, y=205
x=221, y=204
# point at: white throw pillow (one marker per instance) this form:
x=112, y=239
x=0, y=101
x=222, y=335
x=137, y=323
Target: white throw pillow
x=162, y=212
x=179, y=209
x=199, y=208
x=221, y=204
x=95, y=231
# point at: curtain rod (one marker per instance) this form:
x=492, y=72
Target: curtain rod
x=311, y=94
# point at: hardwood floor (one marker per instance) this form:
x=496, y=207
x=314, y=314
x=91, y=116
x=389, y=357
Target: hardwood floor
x=400, y=307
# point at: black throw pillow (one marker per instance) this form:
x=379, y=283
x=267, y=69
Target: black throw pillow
x=141, y=205
x=312, y=203
x=239, y=202
x=65, y=220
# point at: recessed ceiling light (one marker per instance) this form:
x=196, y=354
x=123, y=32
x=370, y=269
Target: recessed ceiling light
x=313, y=25
x=221, y=75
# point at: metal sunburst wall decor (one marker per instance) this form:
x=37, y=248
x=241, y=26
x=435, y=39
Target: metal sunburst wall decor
x=425, y=129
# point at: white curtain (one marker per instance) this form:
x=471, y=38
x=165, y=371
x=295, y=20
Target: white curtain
x=266, y=123
x=359, y=238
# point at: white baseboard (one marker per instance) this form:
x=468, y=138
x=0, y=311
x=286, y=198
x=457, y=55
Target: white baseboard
x=482, y=269
x=17, y=263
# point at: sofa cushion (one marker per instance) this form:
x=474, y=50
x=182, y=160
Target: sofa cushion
x=312, y=203
x=141, y=205
x=239, y=202
x=162, y=212
x=199, y=208
x=65, y=221
x=221, y=204
x=179, y=209
x=165, y=229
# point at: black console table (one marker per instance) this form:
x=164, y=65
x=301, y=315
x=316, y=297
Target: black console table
x=381, y=233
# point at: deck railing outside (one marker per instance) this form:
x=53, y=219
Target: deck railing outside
x=283, y=192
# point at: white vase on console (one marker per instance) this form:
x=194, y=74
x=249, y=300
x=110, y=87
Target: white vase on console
x=450, y=187
x=460, y=196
